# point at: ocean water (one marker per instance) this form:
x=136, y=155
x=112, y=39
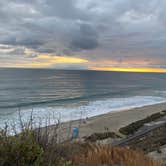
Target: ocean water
x=69, y=95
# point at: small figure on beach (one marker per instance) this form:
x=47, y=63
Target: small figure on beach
x=75, y=133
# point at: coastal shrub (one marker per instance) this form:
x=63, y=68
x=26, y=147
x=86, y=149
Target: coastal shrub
x=105, y=155
x=25, y=150
x=20, y=150
x=152, y=141
x=30, y=149
x=62, y=154
x=100, y=136
x=135, y=126
x=35, y=148
x=29, y=146
x=65, y=163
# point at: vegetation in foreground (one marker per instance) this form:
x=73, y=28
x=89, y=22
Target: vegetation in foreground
x=31, y=149
x=104, y=155
x=135, y=126
x=152, y=141
x=101, y=136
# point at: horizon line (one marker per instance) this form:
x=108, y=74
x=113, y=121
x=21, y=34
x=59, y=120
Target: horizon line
x=125, y=70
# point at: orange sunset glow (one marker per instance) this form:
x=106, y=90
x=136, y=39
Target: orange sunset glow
x=130, y=69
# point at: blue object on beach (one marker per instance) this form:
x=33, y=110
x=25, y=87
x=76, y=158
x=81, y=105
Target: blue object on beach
x=75, y=132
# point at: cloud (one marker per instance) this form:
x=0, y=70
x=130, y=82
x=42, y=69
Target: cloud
x=43, y=60
x=108, y=30
x=85, y=38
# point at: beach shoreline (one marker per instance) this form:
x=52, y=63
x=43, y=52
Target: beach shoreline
x=111, y=121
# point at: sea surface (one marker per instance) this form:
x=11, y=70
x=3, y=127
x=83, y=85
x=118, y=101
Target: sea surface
x=68, y=95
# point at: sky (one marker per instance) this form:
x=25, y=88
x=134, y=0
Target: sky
x=123, y=35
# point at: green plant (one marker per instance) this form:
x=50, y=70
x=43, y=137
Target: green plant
x=20, y=150
x=63, y=162
x=135, y=126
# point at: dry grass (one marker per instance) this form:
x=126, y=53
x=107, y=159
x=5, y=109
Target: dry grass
x=105, y=155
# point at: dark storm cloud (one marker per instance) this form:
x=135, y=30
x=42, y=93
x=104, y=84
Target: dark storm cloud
x=85, y=38
x=27, y=42
x=108, y=29
x=62, y=8
x=35, y=24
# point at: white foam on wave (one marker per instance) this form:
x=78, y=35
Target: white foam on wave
x=161, y=93
x=50, y=115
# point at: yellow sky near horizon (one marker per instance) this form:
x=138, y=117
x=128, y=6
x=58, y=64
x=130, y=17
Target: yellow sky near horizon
x=53, y=61
x=44, y=61
x=132, y=69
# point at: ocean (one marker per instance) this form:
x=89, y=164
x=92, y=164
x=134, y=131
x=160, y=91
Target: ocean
x=69, y=95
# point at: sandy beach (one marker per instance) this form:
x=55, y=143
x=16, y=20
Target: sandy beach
x=111, y=121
